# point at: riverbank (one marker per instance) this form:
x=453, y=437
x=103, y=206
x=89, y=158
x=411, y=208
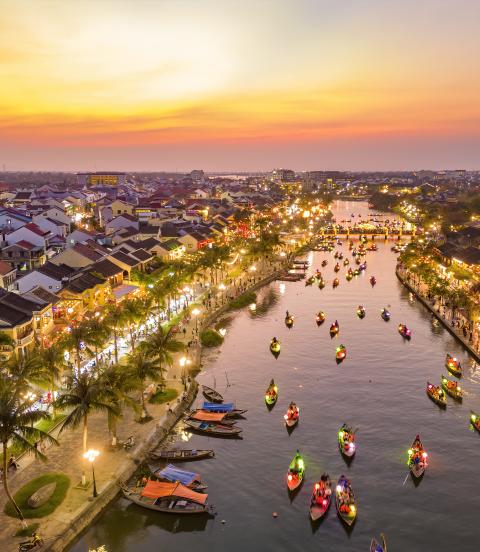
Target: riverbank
x=445, y=319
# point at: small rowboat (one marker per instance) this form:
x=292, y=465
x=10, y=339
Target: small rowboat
x=201, y=415
x=321, y=283
x=334, y=329
x=211, y=394
x=169, y=498
x=335, y=283
x=289, y=321
x=324, y=263
x=361, y=312
x=275, y=347
x=437, y=394
x=320, y=318
x=310, y=281
x=209, y=428
x=377, y=547
x=346, y=441
x=385, y=314
x=226, y=408
x=296, y=472
x=373, y=281
x=475, y=420
x=182, y=455
x=292, y=416
x=404, y=331
x=336, y=268
x=453, y=366
x=452, y=388
x=340, y=353
x=321, y=497
x=417, y=458
x=345, y=501
x=271, y=395
x=346, y=262
x=173, y=474
x=349, y=276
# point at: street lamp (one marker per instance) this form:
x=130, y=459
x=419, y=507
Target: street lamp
x=195, y=313
x=90, y=455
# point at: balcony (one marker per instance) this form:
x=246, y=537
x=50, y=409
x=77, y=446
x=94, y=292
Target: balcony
x=26, y=340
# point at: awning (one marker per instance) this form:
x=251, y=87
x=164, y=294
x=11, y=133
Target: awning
x=224, y=407
x=157, y=489
x=206, y=416
x=172, y=473
x=120, y=291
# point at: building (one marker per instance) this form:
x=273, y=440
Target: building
x=8, y=275
x=110, y=179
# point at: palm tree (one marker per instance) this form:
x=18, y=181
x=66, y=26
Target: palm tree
x=84, y=394
x=6, y=342
x=133, y=313
x=115, y=322
x=17, y=428
x=157, y=293
x=78, y=339
x=118, y=384
x=25, y=370
x=161, y=345
x=98, y=334
x=52, y=361
x=143, y=366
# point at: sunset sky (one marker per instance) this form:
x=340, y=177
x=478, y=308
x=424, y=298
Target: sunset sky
x=239, y=85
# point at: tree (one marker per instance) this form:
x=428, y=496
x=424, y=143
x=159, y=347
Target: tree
x=78, y=339
x=25, y=370
x=84, y=394
x=52, y=361
x=142, y=367
x=17, y=429
x=97, y=336
x=161, y=345
x=115, y=321
x=133, y=313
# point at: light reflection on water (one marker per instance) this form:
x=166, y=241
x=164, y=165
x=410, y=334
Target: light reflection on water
x=379, y=389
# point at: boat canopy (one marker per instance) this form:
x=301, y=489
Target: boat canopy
x=174, y=474
x=206, y=416
x=225, y=407
x=157, y=489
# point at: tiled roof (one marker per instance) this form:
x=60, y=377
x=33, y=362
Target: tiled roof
x=5, y=268
x=83, y=282
x=36, y=229
x=25, y=245
x=44, y=295
x=124, y=258
x=106, y=268
x=141, y=255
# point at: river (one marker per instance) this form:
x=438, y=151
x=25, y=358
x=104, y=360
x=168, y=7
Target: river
x=379, y=389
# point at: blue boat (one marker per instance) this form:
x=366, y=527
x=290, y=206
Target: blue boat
x=174, y=474
x=226, y=408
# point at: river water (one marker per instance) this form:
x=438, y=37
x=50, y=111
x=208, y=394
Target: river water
x=379, y=389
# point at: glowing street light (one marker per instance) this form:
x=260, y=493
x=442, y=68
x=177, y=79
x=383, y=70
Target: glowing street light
x=91, y=455
x=195, y=313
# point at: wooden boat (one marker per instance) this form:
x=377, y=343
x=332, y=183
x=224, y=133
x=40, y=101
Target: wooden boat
x=346, y=441
x=206, y=416
x=169, y=498
x=209, y=428
x=225, y=408
x=211, y=394
x=346, y=262
x=289, y=321
x=335, y=283
x=271, y=395
x=437, y=394
x=292, y=416
x=404, y=331
x=275, y=347
x=321, y=284
x=182, y=455
x=377, y=547
x=296, y=472
x=349, y=276
x=324, y=263
x=385, y=314
x=310, y=281
x=373, y=281
x=334, y=329
x=453, y=365
x=173, y=474
x=475, y=420
x=452, y=388
x=345, y=501
x=336, y=268
x=320, y=318
x=321, y=497
x=340, y=353
x=417, y=458
x=361, y=312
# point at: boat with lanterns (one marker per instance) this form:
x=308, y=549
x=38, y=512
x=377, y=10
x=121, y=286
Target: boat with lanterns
x=345, y=501
x=320, y=318
x=417, y=458
x=321, y=497
x=437, y=394
x=275, y=347
x=475, y=420
x=292, y=416
x=271, y=394
x=376, y=546
x=334, y=329
x=385, y=314
x=335, y=283
x=453, y=365
x=340, y=353
x=404, y=331
x=296, y=472
x=346, y=441
x=289, y=320
x=452, y=388
x=361, y=312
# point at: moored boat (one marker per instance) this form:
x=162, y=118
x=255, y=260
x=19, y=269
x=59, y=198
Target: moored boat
x=173, y=474
x=346, y=441
x=340, y=353
x=210, y=428
x=275, y=347
x=452, y=388
x=292, y=416
x=320, y=318
x=437, y=394
x=453, y=365
x=271, y=394
x=417, y=458
x=296, y=472
x=182, y=455
x=226, y=408
x=211, y=394
x=378, y=547
x=206, y=416
x=321, y=497
x=169, y=498
x=345, y=501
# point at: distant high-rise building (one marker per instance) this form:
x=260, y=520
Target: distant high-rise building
x=283, y=175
